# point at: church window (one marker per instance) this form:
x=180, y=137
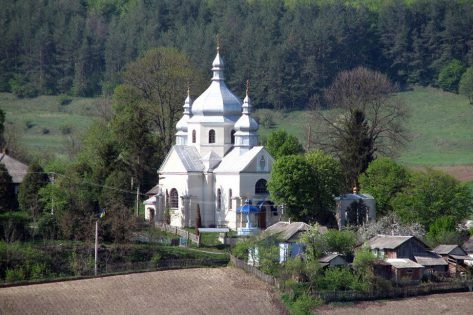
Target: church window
x=219, y=199
x=230, y=199
x=232, y=136
x=262, y=162
x=212, y=136
x=193, y=136
x=174, y=198
x=260, y=187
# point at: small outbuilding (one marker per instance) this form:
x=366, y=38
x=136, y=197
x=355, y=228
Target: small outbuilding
x=333, y=260
x=405, y=271
x=355, y=209
x=16, y=169
x=455, y=256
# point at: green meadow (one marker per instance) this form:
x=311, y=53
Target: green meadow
x=440, y=124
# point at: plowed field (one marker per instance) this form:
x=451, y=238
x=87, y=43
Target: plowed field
x=190, y=291
x=449, y=303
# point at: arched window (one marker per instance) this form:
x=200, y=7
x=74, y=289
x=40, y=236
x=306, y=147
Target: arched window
x=232, y=136
x=219, y=199
x=193, y=136
x=212, y=136
x=174, y=198
x=260, y=187
x=230, y=199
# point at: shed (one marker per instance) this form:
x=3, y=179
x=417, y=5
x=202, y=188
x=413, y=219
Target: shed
x=433, y=264
x=456, y=257
x=333, y=260
x=405, y=271
x=344, y=202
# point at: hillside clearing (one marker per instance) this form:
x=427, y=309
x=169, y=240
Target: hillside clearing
x=449, y=303
x=190, y=291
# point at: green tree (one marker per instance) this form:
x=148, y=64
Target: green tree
x=306, y=186
x=466, y=84
x=371, y=120
x=443, y=231
x=28, y=196
x=383, y=179
x=280, y=144
x=7, y=194
x=450, y=75
x=431, y=195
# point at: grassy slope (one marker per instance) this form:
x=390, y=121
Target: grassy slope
x=31, y=118
x=440, y=124
x=440, y=127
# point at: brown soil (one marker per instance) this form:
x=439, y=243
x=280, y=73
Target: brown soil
x=191, y=291
x=449, y=303
x=463, y=173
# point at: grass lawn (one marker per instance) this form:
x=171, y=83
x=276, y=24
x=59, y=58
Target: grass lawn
x=43, y=124
x=440, y=127
x=440, y=124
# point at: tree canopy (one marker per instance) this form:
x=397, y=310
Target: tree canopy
x=290, y=50
x=280, y=144
x=466, y=84
x=28, y=196
x=306, y=185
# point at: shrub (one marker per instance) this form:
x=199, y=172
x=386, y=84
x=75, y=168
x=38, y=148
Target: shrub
x=450, y=76
x=466, y=84
x=14, y=275
x=156, y=259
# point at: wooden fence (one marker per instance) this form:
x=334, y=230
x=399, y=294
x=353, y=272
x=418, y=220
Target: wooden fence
x=402, y=292
x=254, y=271
x=175, y=230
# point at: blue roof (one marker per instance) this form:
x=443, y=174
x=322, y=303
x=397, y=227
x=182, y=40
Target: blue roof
x=247, y=208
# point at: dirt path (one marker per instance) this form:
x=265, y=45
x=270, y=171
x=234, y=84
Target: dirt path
x=449, y=303
x=190, y=291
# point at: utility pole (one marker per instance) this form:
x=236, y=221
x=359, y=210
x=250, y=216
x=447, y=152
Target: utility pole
x=52, y=196
x=96, y=245
x=137, y=199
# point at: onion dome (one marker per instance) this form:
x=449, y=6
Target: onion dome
x=246, y=127
x=181, y=126
x=217, y=100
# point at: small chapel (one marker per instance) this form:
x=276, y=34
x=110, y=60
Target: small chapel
x=216, y=165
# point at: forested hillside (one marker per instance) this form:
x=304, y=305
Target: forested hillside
x=288, y=49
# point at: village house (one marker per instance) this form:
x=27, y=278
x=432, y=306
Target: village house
x=405, y=258
x=15, y=168
x=332, y=260
x=455, y=257
x=216, y=164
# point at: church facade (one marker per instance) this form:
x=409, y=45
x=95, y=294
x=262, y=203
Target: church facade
x=216, y=164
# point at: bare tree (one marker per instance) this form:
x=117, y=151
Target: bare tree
x=358, y=118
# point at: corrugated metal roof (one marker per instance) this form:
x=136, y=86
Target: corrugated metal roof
x=16, y=169
x=401, y=263
x=328, y=258
x=461, y=257
x=287, y=230
x=444, y=249
x=354, y=197
x=189, y=157
x=233, y=162
x=431, y=261
x=387, y=241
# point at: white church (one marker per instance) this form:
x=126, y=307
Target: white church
x=216, y=164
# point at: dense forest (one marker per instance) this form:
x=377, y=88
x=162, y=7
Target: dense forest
x=290, y=50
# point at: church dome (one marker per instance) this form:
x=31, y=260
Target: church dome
x=182, y=123
x=217, y=100
x=246, y=122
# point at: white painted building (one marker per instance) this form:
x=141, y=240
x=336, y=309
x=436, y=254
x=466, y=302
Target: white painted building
x=216, y=163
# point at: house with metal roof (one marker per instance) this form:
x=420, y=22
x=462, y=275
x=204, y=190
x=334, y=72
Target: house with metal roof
x=216, y=164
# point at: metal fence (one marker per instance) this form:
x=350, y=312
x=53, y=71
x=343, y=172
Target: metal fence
x=175, y=230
